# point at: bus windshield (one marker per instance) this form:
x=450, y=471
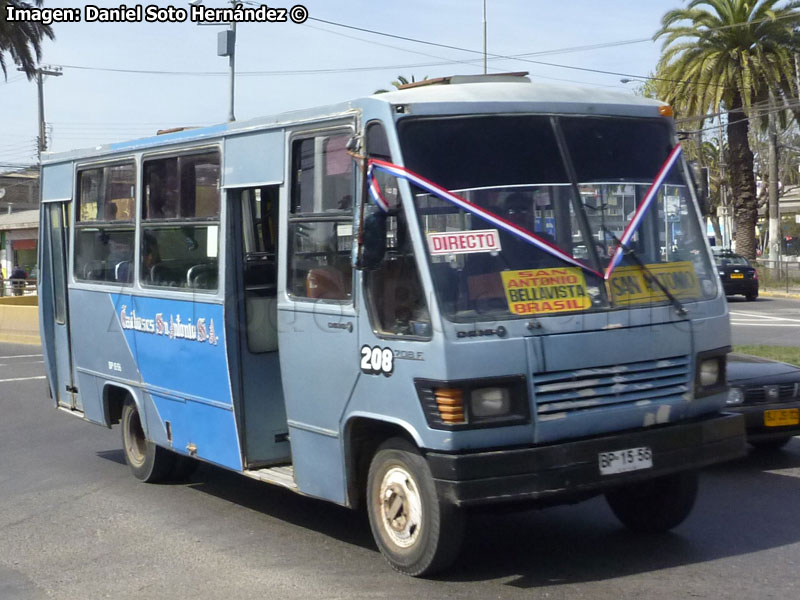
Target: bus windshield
x=574, y=184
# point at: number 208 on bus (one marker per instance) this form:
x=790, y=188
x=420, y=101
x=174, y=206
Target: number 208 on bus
x=329, y=301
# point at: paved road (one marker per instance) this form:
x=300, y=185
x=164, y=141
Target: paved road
x=770, y=321
x=75, y=525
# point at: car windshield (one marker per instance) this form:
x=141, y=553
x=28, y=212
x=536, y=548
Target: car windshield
x=574, y=184
x=733, y=260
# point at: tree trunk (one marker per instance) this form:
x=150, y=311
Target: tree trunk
x=743, y=182
x=717, y=229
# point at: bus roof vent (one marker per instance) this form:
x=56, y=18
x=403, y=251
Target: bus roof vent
x=515, y=77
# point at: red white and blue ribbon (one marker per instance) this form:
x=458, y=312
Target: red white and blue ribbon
x=638, y=216
x=440, y=192
x=374, y=188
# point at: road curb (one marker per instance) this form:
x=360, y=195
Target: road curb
x=777, y=294
x=28, y=339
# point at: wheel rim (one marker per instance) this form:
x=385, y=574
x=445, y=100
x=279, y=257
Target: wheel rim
x=135, y=443
x=400, y=507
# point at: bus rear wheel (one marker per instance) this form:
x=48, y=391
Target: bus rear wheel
x=415, y=530
x=657, y=505
x=148, y=462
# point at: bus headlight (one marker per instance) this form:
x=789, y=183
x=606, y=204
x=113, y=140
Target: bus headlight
x=489, y=402
x=735, y=396
x=474, y=403
x=710, y=375
x=709, y=372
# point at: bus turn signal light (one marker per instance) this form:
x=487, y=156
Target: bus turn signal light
x=665, y=110
x=450, y=402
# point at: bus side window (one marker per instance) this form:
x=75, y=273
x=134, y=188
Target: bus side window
x=395, y=295
x=104, y=232
x=321, y=218
x=180, y=222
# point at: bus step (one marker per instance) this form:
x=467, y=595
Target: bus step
x=282, y=475
x=72, y=411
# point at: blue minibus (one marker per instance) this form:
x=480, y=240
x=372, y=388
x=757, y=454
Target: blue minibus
x=476, y=292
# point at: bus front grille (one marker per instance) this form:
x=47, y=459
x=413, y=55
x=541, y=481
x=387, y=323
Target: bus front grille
x=638, y=383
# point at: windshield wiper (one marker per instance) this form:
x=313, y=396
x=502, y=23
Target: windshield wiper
x=649, y=275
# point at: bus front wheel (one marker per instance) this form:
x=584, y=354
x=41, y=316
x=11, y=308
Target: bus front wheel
x=657, y=505
x=148, y=462
x=416, y=531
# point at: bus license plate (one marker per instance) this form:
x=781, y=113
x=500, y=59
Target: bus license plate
x=622, y=461
x=781, y=416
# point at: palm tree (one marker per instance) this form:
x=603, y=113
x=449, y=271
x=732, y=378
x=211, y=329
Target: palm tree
x=22, y=40
x=400, y=82
x=729, y=54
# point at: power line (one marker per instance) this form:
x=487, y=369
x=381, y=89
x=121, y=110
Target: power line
x=16, y=145
x=300, y=71
x=757, y=115
x=789, y=102
x=16, y=165
x=13, y=80
x=520, y=57
x=251, y=73
x=20, y=152
x=449, y=61
x=17, y=135
x=524, y=57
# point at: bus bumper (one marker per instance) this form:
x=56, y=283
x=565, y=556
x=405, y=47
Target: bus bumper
x=570, y=471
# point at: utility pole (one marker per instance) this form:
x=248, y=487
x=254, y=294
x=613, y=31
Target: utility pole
x=226, y=46
x=774, y=215
x=485, y=66
x=40, y=74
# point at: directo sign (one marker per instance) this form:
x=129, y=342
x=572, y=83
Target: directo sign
x=464, y=242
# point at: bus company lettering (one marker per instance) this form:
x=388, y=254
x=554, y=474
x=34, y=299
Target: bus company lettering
x=173, y=329
x=464, y=242
x=538, y=291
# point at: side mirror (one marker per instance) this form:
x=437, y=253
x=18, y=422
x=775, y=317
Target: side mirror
x=373, y=246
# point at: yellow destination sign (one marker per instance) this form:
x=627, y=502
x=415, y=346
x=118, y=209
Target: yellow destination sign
x=631, y=285
x=541, y=291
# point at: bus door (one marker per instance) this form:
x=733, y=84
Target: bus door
x=316, y=317
x=253, y=219
x=53, y=292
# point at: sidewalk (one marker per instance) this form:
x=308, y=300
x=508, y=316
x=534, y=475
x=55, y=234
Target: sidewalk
x=781, y=292
x=19, y=320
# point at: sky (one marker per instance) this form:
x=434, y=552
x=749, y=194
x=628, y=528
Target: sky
x=286, y=66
